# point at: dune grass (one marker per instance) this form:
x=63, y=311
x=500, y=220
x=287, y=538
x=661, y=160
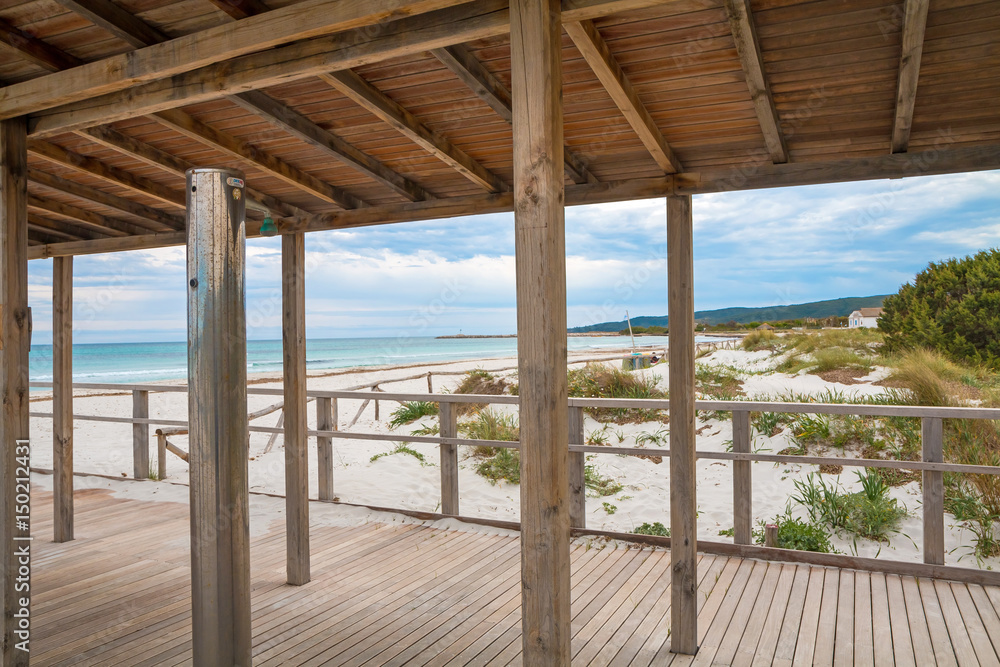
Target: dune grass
x=479, y=381
x=410, y=411
x=603, y=381
x=495, y=463
x=760, y=339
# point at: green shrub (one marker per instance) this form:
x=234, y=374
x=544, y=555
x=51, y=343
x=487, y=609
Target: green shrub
x=717, y=381
x=794, y=533
x=490, y=425
x=479, y=382
x=599, y=484
x=869, y=513
x=652, y=529
x=609, y=508
x=504, y=464
x=952, y=307
x=760, y=339
x=602, y=381
x=411, y=411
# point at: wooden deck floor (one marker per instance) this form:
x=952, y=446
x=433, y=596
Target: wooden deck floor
x=416, y=595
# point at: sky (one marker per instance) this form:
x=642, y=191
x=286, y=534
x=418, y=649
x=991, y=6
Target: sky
x=755, y=248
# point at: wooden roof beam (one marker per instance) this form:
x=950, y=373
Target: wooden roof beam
x=115, y=20
x=597, y=54
x=89, y=219
x=33, y=49
x=474, y=20
x=304, y=129
x=240, y=9
x=302, y=20
x=115, y=140
x=193, y=128
x=491, y=90
x=748, y=47
x=104, y=198
x=914, y=25
x=94, y=167
x=62, y=229
x=375, y=101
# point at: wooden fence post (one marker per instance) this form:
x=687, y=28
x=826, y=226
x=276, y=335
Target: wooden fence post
x=140, y=435
x=430, y=384
x=932, y=432
x=326, y=420
x=577, y=471
x=62, y=398
x=448, y=419
x=742, y=480
x=375, y=389
x=161, y=456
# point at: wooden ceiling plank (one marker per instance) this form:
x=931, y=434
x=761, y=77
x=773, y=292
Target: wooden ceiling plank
x=193, y=128
x=495, y=94
x=240, y=9
x=597, y=54
x=304, y=129
x=303, y=20
x=748, y=47
x=474, y=20
x=111, y=138
x=35, y=50
x=89, y=165
x=115, y=20
x=67, y=229
x=914, y=25
x=375, y=101
x=105, y=199
x=86, y=218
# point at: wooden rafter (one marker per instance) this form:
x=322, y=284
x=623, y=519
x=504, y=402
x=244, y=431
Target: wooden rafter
x=378, y=103
x=193, y=128
x=104, y=198
x=597, y=54
x=35, y=50
x=89, y=165
x=240, y=9
x=304, y=129
x=303, y=20
x=66, y=230
x=88, y=219
x=748, y=47
x=115, y=140
x=115, y=20
x=914, y=25
x=474, y=20
x=491, y=90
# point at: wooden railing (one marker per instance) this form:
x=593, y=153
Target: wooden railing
x=932, y=465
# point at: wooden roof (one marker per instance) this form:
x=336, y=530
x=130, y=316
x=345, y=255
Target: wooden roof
x=395, y=110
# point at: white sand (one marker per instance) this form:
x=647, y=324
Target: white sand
x=401, y=481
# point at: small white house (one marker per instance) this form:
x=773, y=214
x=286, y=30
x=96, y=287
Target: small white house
x=865, y=317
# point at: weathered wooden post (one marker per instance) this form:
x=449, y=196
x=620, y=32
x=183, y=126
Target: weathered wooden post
x=742, y=480
x=683, y=503
x=62, y=398
x=140, y=434
x=577, y=471
x=217, y=409
x=326, y=420
x=161, y=455
x=293, y=345
x=15, y=338
x=932, y=432
x=448, y=420
x=540, y=247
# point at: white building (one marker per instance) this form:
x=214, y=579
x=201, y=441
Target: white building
x=865, y=317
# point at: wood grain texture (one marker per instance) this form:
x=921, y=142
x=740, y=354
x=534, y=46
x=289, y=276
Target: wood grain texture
x=107, y=15
x=932, y=437
x=577, y=471
x=742, y=480
x=326, y=420
x=683, y=486
x=15, y=339
x=35, y=50
x=540, y=264
x=293, y=345
x=62, y=398
x=914, y=27
x=140, y=435
x=448, y=420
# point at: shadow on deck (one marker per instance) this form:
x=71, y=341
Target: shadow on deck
x=417, y=595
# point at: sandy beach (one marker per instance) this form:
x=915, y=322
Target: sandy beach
x=402, y=481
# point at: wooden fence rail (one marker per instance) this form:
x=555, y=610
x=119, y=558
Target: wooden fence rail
x=932, y=464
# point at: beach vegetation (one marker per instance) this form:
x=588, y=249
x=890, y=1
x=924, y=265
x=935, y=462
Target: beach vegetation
x=870, y=513
x=410, y=411
x=794, y=533
x=599, y=437
x=656, y=439
x=657, y=529
x=603, y=381
x=504, y=464
x=719, y=382
x=403, y=448
x=761, y=339
x=609, y=508
x=427, y=429
x=601, y=485
x=479, y=382
x=727, y=532
x=490, y=424
x=952, y=307
x=769, y=424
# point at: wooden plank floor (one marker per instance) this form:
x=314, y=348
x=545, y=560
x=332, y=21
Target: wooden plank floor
x=416, y=595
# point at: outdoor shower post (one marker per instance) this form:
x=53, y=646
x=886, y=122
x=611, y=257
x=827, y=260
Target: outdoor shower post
x=217, y=413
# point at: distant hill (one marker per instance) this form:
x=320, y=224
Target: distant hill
x=817, y=309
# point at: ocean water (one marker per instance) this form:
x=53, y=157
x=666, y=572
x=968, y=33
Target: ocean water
x=146, y=362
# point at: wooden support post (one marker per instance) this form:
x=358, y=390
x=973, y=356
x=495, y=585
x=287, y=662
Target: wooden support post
x=161, y=456
x=771, y=535
x=448, y=419
x=140, y=435
x=293, y=338
x=62, y=399
x=326, y=420
x=217, y=416
x=742, y=480
x=540, y=248
x=15, y=338
x=683, y=503
x=577, y=471
x=374, y=389
x=932, y=431
x=430, y=384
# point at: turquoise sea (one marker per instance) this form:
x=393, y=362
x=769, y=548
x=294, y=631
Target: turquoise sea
x=144, y=362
